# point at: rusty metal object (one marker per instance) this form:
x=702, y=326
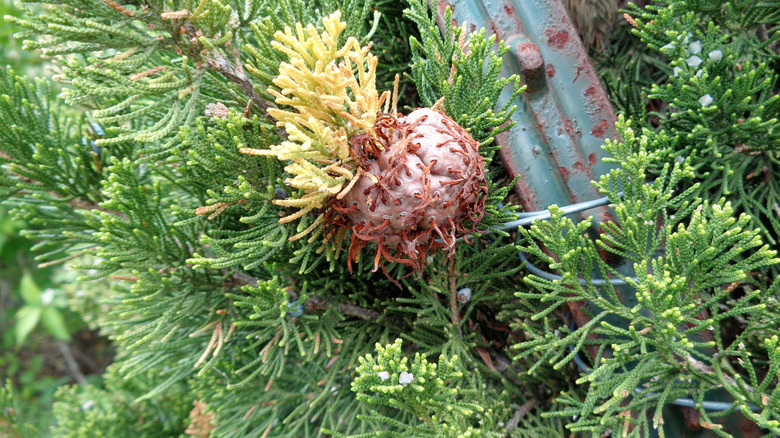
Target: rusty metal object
x=565, y=115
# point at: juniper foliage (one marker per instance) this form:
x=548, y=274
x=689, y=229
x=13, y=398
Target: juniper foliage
x=191, y=273
x=9, y=416
x=225, y=326
x=721, y=99
x=384, y=380
x=111, y=411
x=661, y=340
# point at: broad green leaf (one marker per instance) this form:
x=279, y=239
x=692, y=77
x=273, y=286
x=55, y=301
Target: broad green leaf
x=55, y=323
x=30, y=291
x=26, y=319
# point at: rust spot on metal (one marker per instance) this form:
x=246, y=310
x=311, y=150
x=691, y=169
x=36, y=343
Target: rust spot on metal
x=514, y=17
x=748, y=428
x=606, y=216
x=528, y=196
x=557, y=40
x=529, y=56
x=600, y=128
x=609, y=257
x=510, y=11
x=540, y=123
x=577, y=76
x=561, y=127
x=568, y=127
x=495, y=30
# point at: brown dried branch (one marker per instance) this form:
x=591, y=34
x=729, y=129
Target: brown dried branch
x=149, y=72
x=73, y=366
x=116, y=6
x=454, y=296
x=86, y=205
x=318, y=303
x=236, y=74
x=520, y=413
x=315, y=302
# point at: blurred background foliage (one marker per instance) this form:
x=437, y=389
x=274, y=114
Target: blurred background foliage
x=43, y=345
x=12, y=53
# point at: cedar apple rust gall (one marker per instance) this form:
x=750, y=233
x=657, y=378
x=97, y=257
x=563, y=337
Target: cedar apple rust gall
x=404, y=185
x=422, y=178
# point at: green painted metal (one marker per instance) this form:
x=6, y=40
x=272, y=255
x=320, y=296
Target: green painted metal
x=565, y=115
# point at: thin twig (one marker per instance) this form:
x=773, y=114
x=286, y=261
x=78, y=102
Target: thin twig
x=505, y=368
x=81, y=204
x=71, y=362
x=65, y=259
x=241, y=278
x=520, y=413
x=360, y=312
x=92, y=366
x=238, y=77
x=86, y=205
x=234, y=73
x=454, y=296
x=318, y=303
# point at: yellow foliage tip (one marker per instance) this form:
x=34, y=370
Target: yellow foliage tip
x=325, y=95
x=324, y=81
